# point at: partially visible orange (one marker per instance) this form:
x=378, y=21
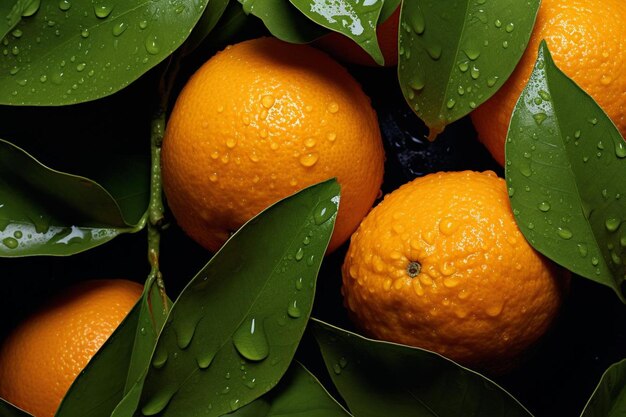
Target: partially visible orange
x=441, y=264
x=346, y=50
x=585, y=38
x=258, y=122
x=43, y=355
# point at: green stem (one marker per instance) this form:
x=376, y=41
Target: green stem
x=156, y=207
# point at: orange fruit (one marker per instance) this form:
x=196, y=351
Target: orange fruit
x=441, y=264
x=584, y=37
x=259, y=121
x=346, y=50
x=43, y=355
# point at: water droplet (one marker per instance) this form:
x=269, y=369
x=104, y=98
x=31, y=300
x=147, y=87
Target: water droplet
x=268, y=101
x=234, y=404
x=333, y=107
x=231, y=142
x=464, y=66
x=472, y=104
x=309, y=142
x=324, y=212
x=102, y=11
x=564, y=233
x=525, y=169
x=417, y=22
x=594, y=261
x=331, y=136
x=460, y=90
x=293, y=310
x=434, y=51
x=615, y=258
x=250, y=340
x=205, y=360
x=65, y=5
x=152, y=45
x=18, y=234
x=336, y=369
x=184, y=333
x=498, y=23
x=143, y=24
x=84, y=33
x=472, y=53
x=160, y=358
x=540, y=118
x=15, y=50
x=80, y=67
x=612, y=224
x=582, y=249
x=17, y=33
x=309, y=159
x=593, y=121
x=509, y=27
x=299, y=283
x=299, y=254
x=505, y=44
x=119, y=28
x=450, y=104
x=157, y=403
x=544, y=206
x=622, y=241
x=10, y=242
x=251, y=383
x=475, y=72
x=620, y=149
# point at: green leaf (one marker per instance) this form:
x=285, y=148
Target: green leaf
x=100, y=386
x=234, y=329
x=76, y=51
x=356, y=20
x=212, y=14
x=609, y=397
x=379, y=379
x=389, y=6
x=565, y=166
x=298, y=394
x=9, y=410
x=47, y=212
x=283, y=20
x=455, y=55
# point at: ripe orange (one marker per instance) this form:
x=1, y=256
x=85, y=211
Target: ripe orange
x=43, y=355
x=441, y=264
x=584, y=37
x=346, y=50
x=259, y=121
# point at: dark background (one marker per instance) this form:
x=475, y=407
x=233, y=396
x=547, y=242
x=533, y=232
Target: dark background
x=557, y=377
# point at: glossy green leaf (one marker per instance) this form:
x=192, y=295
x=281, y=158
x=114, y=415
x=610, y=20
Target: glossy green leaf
x=283, y=20
x=609, y=397
x=454, y=55
x=234, y=329
x=9, y=410
x=356, y=20
x=379, y=379
x=298, y=394
x=389, y=6
x=212, y=14
x=565, y=166
x=46, y=212
x=97, y=390
x=74, y=51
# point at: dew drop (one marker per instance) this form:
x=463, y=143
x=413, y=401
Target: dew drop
x=231, y=142
x=324, y=212
x=434, y=51
x=464, y=66
x=17, y=33
x=417, y=22
x=268, y=101
x=81, y=67
x=492, y=81
x=612, y=224
x=205, y=360
x=475, y=72
x=65, y=5
x=544, y=206
x=582, y=249
x=309, y=142
x=102, y=11
x=119, y=28
x=564, y=233
x=337, y=369
x=18, y=234
x=539, y=118
x=594, y=261
x=293, y=310
x=299, y=254
x=152, y=45
x=10, y=242
x=620, y=149
x=143, y=24
x=157, y=403
x=309, y=159
x=84, y=33
x=299, y=283
x=32, y=8
x=160, y=358
x=525, y=170
x=184, y=333
x=460, y=90
x=250, y=340
x=472, y=104
x=509, y=27
x=333, y=107
x=450, y=104
x=472, y=54
x=505, y=44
